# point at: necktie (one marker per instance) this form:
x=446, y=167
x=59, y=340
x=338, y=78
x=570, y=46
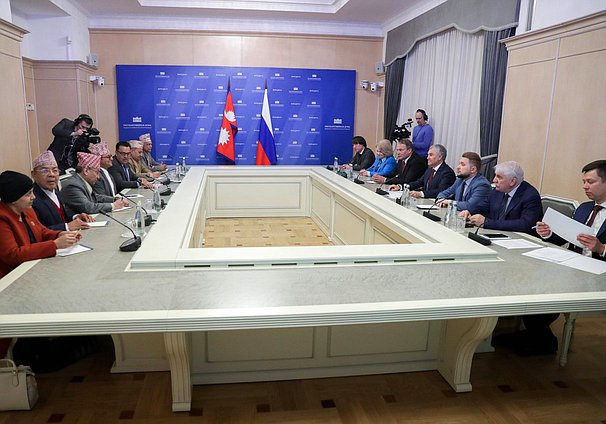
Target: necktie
x=125, y=167
x=503, y=208
x=433, y=172
x=465, y=187
x=403, y=168
x=594, y=213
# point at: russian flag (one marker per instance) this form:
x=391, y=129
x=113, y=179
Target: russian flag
x=266, y=146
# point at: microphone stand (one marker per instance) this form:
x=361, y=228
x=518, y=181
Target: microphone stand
x=148, y=217
x=478, y=237
x=128, y=245
x=428, y=214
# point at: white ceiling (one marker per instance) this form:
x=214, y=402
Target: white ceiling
x=347, y=17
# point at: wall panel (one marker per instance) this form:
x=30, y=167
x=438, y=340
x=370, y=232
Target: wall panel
x=554, y=103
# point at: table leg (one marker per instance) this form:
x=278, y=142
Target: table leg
x=459, y=341
x=177, y=351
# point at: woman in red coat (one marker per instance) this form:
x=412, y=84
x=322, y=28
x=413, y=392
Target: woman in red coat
x=22, y=237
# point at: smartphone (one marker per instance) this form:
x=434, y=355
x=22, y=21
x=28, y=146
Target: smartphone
x=494, y=235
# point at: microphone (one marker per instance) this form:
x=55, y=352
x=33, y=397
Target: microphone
x=428, y=214
x=148, y=218
x=128, y=245
x=478, y=237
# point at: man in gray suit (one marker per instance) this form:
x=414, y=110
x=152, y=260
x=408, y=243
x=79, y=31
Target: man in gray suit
x=105, y=187
x=77, y=191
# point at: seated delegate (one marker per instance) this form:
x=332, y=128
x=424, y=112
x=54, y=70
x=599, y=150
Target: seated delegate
x=22, y=236
x=384, y=164
x=363, y=157
x=438, y=176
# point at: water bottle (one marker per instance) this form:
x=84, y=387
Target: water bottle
x=335, y=164
x=405, y=195
x=139, y=221
x=157, y=201
x=183, y=167
x=448, y=217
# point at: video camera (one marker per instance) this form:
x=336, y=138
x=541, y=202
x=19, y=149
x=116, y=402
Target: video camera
x=81, y=143
x=401, y=131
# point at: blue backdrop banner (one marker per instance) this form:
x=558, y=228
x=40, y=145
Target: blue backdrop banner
x=312, y=111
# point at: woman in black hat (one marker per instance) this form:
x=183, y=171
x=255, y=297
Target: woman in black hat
x=22, y=237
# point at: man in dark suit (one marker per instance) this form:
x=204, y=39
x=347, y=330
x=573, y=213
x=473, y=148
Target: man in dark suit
x=65, y=132
x=471, y=189
x=514, y=205
x=592, y=214
x=121, y=171
x=410, y=166
x=48, y=204
x=438, y=176
x=363, y=158
x=538, y=337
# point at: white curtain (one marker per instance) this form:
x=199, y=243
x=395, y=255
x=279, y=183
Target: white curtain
x=443, y=76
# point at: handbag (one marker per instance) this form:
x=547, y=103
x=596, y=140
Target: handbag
x=18, y=386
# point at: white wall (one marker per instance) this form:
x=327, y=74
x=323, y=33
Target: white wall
x=546, y=13
x=5, y=10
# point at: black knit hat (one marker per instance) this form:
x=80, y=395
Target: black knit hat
x=13, y=186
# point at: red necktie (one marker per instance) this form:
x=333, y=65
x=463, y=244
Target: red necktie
x=433, y=172
x=403, y=168
x=596, y=209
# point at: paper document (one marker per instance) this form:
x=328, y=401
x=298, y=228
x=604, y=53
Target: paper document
x=585, y=263
x=515, y=243
x=78, y=248
x=133, y=196
x=551, y=254
x=98, y=224
x=565, y=227
x=394, y=194
x=122, y=209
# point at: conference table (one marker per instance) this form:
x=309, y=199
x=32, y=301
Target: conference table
x=101, y=292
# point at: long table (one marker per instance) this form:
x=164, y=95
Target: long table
x=93, y=293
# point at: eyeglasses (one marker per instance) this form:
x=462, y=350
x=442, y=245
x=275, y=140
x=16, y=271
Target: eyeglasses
x=118, y=152
x=48, y=171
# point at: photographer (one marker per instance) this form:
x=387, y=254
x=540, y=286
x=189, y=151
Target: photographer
x=65, y=132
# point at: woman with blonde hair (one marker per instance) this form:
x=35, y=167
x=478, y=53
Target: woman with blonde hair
x=385, y=164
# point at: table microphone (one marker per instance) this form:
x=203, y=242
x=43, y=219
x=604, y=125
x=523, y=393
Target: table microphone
x=478, y=237
x=148, y=218
x=428, y=214
x=128, y=245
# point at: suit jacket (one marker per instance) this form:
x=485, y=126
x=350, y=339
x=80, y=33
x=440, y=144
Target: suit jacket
x=384, y=168
x=62, y=139
x=15, y=245
x=103, y=190
x=415, y=167
x=150, y=163
x=120, y=178
x=363, y=160
x=78, y=199
x=443, y=179
x=475, y=199
x=47, y=212
x=581, y=214
x=522, y=214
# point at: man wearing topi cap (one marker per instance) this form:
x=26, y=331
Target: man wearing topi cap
x=146, y=158
x=48, y=203
x=77, y=190
x=105, y=187
x=136, y=152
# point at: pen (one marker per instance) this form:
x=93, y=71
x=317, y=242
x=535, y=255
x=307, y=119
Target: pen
x=533, y=228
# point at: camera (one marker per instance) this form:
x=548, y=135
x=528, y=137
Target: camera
x=373, y=86
x=364, y=84
x=401, y=131
x=101, y=81
x=81, y=143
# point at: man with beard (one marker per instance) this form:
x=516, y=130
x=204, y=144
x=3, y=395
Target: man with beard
x=471, y=189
